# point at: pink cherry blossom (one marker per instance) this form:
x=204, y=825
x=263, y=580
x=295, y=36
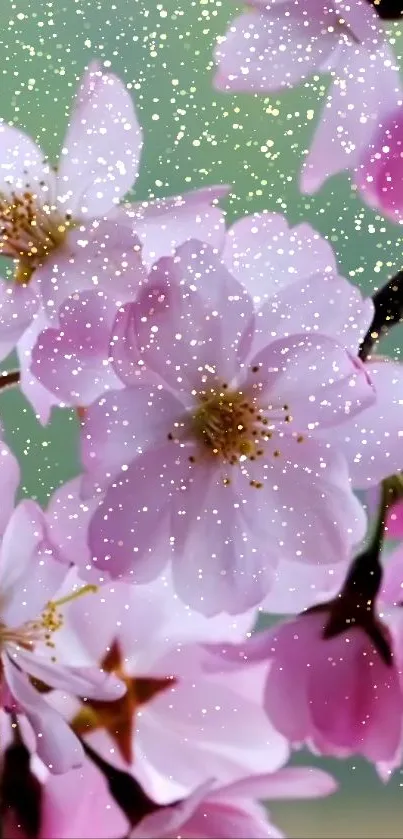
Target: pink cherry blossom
x=186, y=719
x=229, y=812
x=66, y=230
x=210, y=812
x=95, y=814
x=395, y=521
x=220, y=416
x=373, y=442
x=74, y=361
x=379, y=171
x=338, y=694
x=355, y=115
x=279, y=43
x=30, y=615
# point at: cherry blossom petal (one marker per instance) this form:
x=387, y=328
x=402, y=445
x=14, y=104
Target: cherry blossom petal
x=269, y=52
x=67, y=520
x=123, y=424
x=165, y=223
x=379, y=174
x=102, y=256
x=10, y=475
x=266, y=255
x=194, y=316
x=29, y=574
x=18, y=305
x=41, y=399
x=95, y=812
x=327, y=304
x=129, y=533
x=288, y=782
x=367, y=88
x=224, y=558
x=373, y=442
x=81, y=681
x=317, y=379
x=23, y=166
x=296, y=586
x=72, y=362
x=333, y=518
x=101, y=153
x=56, y=744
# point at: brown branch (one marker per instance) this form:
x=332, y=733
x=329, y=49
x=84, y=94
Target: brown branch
x=388, y=302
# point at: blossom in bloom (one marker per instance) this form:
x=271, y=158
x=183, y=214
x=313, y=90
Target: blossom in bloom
x=31, y=613
x=230, y=812
x=65, y=229
x=269, y=258
x=359, y=113
x=73, y=361
x=277, y=44
x=335, y=680
x=338, y=695
x=41, y=804
x=395, y=521
x=379, y=170
x=183, y=719
x=210, y=451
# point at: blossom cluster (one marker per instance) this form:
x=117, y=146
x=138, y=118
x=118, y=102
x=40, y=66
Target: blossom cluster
x=234, y=441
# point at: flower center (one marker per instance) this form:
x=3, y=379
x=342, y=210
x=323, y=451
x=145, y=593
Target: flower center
x=43, y=628
x=29, y=232
x=229, y=426
x=233, y=426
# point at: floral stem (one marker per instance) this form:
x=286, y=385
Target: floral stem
x=9, y=379
x=355, y=604
x=125, y=790
x=365, y=574
x=388, y=302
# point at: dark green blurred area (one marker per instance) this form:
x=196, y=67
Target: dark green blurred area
x=193, y=137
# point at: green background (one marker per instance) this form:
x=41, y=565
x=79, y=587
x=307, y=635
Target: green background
x=194, y=136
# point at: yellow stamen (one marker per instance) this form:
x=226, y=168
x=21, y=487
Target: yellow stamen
x=73, y=596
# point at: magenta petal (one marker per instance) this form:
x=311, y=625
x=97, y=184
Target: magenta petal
x=379, y=175
x=73, y=362
x=351, y=675
x=94, y=814
x=56, y=744
x=285, y=695
x=395, y=521
x=101, y=153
